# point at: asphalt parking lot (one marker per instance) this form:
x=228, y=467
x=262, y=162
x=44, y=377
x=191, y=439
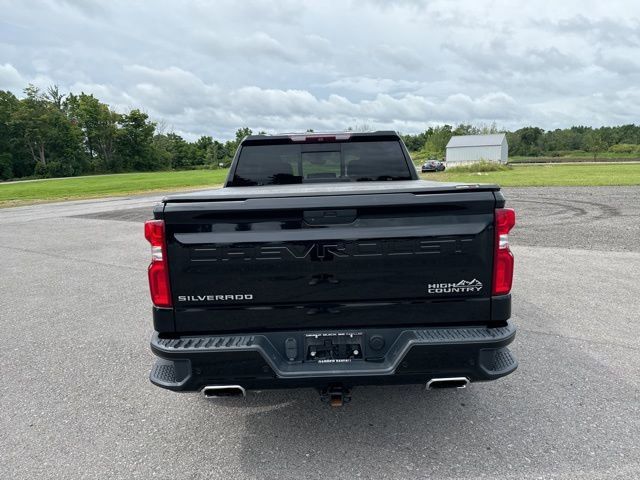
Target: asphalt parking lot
x=76, y=402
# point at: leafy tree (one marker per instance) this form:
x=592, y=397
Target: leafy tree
x=8, y=104
x=488, y=129
x=243, y=132
x=415, y=142
x=6, y=166
x=208, y=151
x=463, y=129
x=48, y=135
x=182, y=152
x=55, y=97
x=437, y=141
x=216, y=154
x=33, y=120
x=225, y=152
x=99, y=125
x=594, y=143
x=17, y=160
x=525, y=141
x=204, y=142
x=134, y=143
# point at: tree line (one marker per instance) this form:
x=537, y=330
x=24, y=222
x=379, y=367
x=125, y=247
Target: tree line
x=51, y=134
x=536, y=142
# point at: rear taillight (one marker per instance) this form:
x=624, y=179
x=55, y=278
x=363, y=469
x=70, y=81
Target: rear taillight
x=502, y=256
x=158, y=272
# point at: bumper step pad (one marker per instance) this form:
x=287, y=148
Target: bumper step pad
x=205, y=343
x=498, y=362
x=478, y=352
x=170, y=373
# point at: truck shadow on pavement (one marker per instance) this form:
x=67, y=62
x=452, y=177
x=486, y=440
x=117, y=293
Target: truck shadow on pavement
x=549, y=416
x=402, y=429
x=383, y=430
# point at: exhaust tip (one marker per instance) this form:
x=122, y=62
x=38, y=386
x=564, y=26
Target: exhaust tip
x=452, y=382
x=223, y=391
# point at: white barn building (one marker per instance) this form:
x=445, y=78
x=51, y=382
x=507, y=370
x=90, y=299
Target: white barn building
x=473, y=148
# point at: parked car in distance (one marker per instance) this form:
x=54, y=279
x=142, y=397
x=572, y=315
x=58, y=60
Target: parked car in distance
x=433, y=166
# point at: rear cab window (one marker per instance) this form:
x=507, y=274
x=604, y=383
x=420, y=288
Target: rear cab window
x=283, y=161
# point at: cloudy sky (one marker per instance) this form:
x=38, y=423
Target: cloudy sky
x=211, y=67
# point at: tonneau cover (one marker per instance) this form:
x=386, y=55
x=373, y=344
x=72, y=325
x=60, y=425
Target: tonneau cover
x=323, y=189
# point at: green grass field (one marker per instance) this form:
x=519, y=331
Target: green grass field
x=20, y=193
x=572, y=157
x=549, y=175
x=608, y=157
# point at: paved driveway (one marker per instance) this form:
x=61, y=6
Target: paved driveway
x=76, y=402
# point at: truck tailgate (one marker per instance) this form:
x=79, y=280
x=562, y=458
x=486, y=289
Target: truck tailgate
x=331, y=261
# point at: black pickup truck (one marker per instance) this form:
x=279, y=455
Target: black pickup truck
x=326, y=262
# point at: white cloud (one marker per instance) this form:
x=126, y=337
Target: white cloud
x=257, y=44
x=293, y=65
x=369, y=86
x=10, y=79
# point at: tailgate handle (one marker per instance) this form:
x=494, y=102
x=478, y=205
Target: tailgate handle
x=330, y=217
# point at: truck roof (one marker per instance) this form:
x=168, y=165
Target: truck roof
x=317, y=136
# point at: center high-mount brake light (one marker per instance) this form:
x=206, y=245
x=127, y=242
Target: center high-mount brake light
x=505, y=219
x=322, y=137
x=154, y=232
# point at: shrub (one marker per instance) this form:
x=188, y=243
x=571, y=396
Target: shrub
x=481, y=166
x=624, y=148
x=53, y=169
